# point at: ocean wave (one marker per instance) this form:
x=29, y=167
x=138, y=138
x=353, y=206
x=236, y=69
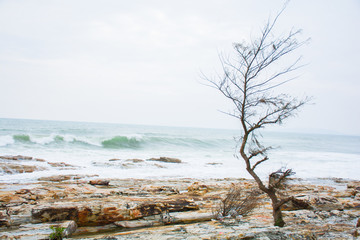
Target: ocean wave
x=122, y=142
x=41, y=140
x=22, y=138
x=50, y=140
x=131, y=141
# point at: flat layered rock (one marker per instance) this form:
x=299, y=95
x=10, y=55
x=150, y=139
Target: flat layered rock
x=169, y=209
x=166, y=219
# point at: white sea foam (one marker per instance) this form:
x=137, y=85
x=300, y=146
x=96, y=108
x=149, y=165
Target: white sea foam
x=6, y=140
x=43, y=140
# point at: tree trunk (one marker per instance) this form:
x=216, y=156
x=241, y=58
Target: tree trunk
x=277, y=215
x=276, y=205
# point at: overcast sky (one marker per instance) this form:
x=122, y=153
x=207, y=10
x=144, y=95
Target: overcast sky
x=140, y=62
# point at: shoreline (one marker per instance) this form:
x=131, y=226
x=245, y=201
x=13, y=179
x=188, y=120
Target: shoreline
x=91, y=207
x=19, y=168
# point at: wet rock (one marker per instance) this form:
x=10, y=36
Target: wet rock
x=158, y=165
x=61, y=178
x=166, y=159
x=114, y=159
x=18, y=157
x=120, y=163
x=56, y=178
x=60, y=165
x=24, y=164
x=214, y=163
x=135, y=160
x=101, y=182
x=10, y=168
x=40, y=160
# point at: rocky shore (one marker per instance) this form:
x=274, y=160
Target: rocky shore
x=88, y=207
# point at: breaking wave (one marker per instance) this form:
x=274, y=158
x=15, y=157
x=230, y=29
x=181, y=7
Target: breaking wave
x=22, y=138
x=133, y=141
x=122, y=142
x=53, y=139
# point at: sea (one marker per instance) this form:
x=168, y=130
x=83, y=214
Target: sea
x=102, y=149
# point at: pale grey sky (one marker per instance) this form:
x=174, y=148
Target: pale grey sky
x=140, y=61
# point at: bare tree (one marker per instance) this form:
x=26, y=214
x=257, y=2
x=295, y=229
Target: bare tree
x=249, y=80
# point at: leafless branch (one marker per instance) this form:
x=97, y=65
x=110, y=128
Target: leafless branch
x=237, y=202
x=276, y=179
